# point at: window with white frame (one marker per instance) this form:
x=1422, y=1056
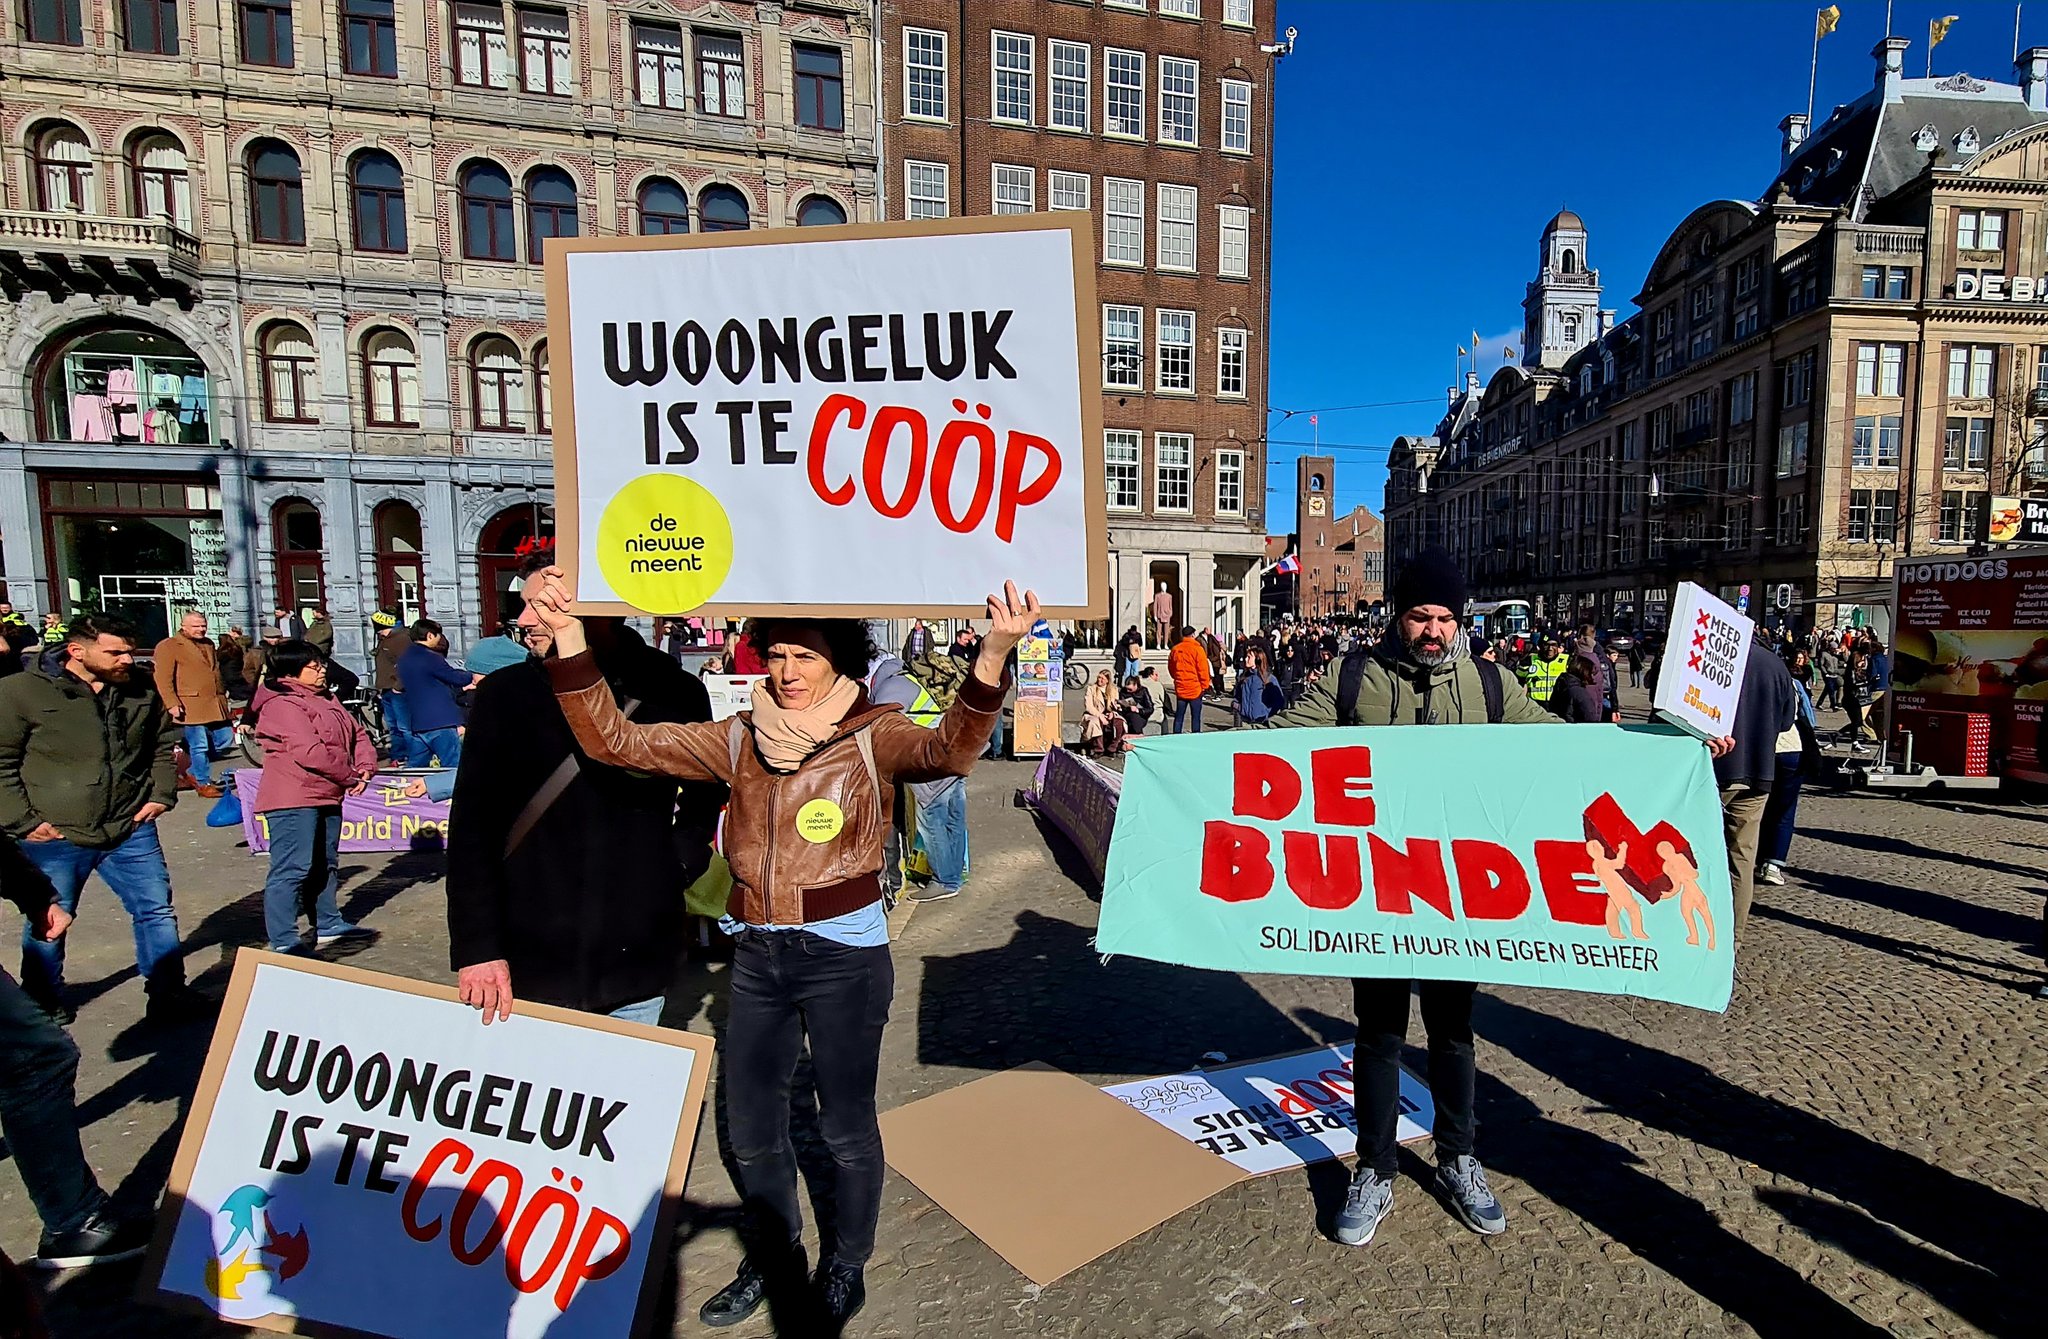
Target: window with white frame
x=1230, y=483
x=1066, y=67
x=1970, y=371
x=1123, y=221
x=483, y=56
x=1015, y=189
x=1187, y=9
x=1176, y=351
x=1176, y=227
x=1742, y=399
x=1866, y=369
x=1066, y=190
x=1123, y=92
x=1880, y=369
x=927, y=190
x=1234, y=230
x=544, y=57
x=1238, y=12
x=1011, y=97
x=1978, y=453
x=1123, y=350
x=1173, y=487
x=1980, y=230
x=1230, y=362
x=924, y=74
x=1237, y=116
x=661, y=72
x=1177, y=79
x=1120, y=460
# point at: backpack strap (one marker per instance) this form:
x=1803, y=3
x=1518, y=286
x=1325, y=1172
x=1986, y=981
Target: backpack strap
x=1349, y=679
x=865, y=738
x=1495, y=693
x=735, y=742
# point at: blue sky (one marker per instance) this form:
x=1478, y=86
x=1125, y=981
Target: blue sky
x=1422, y=146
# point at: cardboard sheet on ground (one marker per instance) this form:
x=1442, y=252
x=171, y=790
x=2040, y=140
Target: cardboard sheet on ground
x=1268, y=1115
x=1048, y=1206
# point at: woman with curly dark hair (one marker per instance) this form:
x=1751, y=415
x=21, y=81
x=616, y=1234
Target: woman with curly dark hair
x=812, y=768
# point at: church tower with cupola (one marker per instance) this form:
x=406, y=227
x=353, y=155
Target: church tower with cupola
x=1561, y=313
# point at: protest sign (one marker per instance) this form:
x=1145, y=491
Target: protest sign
x=1079, y=798
x=1455, y=852
x=364, y=1156
x=878, y=419
x=1041, y=692
x=1706, y=647
x=1268, y=1115
x=382, y=818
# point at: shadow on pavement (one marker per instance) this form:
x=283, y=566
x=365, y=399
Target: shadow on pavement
x=1970, y=918
x=1926, y=955
x=1962, y=1217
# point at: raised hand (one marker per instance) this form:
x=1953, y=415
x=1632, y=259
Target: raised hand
x=1011, y=617
x=546, y=592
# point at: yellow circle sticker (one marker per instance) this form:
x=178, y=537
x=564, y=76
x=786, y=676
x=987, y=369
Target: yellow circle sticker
x=664, y=544
x=820, y=821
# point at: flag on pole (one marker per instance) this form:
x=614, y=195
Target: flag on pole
x=1824, y=22
x=1461, y=351
x=1475, y=341
x=1287, y=566
x=1937, y=30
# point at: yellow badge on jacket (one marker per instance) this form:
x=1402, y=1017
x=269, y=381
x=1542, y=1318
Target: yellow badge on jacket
x=820, y=821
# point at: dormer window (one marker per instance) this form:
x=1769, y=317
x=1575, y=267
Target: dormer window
x=1806, y=180
x=1966, y=140
x=1834, y=160
x=1586, y=380
x=1925, y=138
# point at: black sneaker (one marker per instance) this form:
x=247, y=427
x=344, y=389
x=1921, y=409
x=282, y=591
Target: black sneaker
x=842, y=1292
x=740, y=1299
x=180, y=1004
x=103, y=1240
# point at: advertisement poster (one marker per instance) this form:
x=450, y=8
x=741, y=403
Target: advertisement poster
x=1041, y=692
x=1269, y=1115
x=364, y=1155
x=1699, y=681
x=1458, y=853
x=1972, y=637
x=382, y=818
x=2017, y=520
x=884, y=420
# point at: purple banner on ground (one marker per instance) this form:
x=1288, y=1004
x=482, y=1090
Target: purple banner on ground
x=382, y=818
x=1079, y=798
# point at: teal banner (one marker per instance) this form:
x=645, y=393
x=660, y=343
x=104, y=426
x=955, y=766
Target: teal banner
x=1568, y=856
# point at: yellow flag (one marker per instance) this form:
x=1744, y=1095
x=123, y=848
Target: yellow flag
x=1824, y=22
x=1937, y=29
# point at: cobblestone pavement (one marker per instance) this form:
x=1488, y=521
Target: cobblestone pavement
x=1856, y=1147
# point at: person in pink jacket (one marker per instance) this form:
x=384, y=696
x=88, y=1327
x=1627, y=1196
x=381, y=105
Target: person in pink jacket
x=314, y=752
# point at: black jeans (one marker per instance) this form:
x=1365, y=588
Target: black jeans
x=38, y=1066
x=787, y=985
x=1382, y=1007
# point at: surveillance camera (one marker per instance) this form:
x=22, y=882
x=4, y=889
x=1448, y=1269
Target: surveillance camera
x=1291, y=32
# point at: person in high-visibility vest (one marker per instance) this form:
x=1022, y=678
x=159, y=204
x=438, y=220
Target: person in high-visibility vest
x=1544, y=669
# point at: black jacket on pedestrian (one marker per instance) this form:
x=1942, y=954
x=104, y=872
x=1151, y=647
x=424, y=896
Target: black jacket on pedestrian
x=1768, y=706
x=1576, y=701
x=588, y=909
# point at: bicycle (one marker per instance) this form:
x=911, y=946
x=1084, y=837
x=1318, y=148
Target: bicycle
x=1077, y=674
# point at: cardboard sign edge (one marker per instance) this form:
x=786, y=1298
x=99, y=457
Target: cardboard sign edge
x=149, y=1287
x=1079, y=224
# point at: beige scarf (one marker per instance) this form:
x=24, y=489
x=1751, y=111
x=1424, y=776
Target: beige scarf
x=784, y=738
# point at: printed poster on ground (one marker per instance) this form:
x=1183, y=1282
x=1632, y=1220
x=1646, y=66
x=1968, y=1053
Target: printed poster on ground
x=1706, y=647
x=1458, y=853
x=883, y=420
x=366, y=1157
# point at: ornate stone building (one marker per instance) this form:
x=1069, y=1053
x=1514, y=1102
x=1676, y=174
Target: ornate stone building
x=273, y=331
x=1814, y=383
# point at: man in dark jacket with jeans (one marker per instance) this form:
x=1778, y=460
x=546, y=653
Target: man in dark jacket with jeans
x=565, y=876
x=87, y=766
x=1767, y=707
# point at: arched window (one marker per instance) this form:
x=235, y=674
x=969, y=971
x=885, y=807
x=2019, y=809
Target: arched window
x=543, y=408
x=507, y=540
x=396, y=527
x=63, y=163
x=391, y=380
x=818, y=211
x=722, y=209
x=486, y=213
x=277, y=208
x=664, y=208
x=499, y=385
x=377, y=190
x=289, y=372
x=162, y=180
x=296, y=539
x=1571, y=261
x=1315, y=483
x=550, y=208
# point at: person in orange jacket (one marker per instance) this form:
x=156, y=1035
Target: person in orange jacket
x=1189, y=665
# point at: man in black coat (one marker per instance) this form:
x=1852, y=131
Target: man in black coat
x=1767, y=707
x=565, y=876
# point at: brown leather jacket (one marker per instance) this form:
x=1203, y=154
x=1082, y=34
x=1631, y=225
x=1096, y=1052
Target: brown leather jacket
x=780, y=875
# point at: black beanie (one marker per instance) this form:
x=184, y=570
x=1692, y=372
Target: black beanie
x=1430, y=577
